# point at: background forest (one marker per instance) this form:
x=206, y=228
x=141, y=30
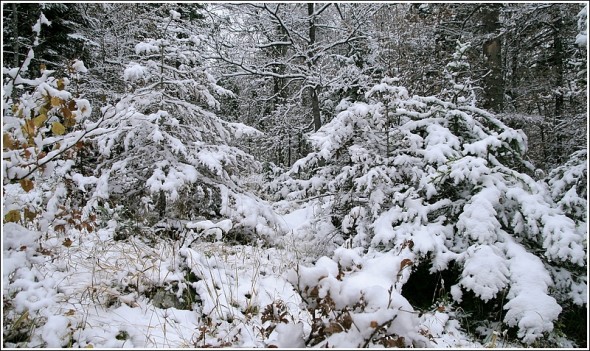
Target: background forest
x=294, y=175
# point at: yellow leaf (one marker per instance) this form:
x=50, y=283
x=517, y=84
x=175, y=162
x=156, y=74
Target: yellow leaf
x=39, y=120
x=27, y=184
x=58, y=128
x=12, y=216
x=89, y=346
x=60, y=84
x=29, y=128
x=55, y=101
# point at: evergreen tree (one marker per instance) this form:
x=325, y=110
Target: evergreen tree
x=444, y=186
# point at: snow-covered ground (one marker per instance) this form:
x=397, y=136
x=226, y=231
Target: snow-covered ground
x=88, y=290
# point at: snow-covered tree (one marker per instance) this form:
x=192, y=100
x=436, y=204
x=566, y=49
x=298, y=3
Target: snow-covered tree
x=166, y=154
x=460, y=88
x=302, y=59
x=442, y=184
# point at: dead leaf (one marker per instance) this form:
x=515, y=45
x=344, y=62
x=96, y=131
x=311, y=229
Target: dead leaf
x=8, y=142
x=29, y=128
x=30, y=215
x=374, y=324
x=26, y=184
x=12, y=216
x=405, y=263
x=55, y=101
x=39, y=120
x=67, y=242
x=58, y=128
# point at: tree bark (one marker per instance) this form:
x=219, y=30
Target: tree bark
x=492, y=49
x=315, y=103
x=15, y=44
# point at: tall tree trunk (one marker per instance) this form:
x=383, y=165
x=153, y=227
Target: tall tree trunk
x=492, y=49
x=558, y=62
x=315, y=103
x=15, y=44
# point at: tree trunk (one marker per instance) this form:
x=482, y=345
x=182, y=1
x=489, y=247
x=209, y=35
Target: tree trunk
x=492, y=49
x=15, y=44
x=315, y=103
x=315, y=107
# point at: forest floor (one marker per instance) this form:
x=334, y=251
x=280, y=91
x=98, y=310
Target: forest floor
x=136, y=293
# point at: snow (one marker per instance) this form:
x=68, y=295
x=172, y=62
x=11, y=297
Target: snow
x=146, y=48
x=174, y=15
x=582, y=37
x=79, y=67
x=485, y=272
x=42, y=20
x=356, y=216
x=134, y=72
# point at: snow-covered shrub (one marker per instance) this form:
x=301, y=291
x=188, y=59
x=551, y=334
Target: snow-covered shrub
x=44, y=132
x=438, y=183
x=45, y=128
x=353, y=301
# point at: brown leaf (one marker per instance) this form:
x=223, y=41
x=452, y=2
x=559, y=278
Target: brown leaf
x=347, y=321
x=8, y=142
x=333, y=328
x=67, y=242
x=66, y=112
x=69, y=121
x=374, y=324
x=26, y=184
x=405, y=263
x=30, y=215
x=409, y=244
x=72, y=105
